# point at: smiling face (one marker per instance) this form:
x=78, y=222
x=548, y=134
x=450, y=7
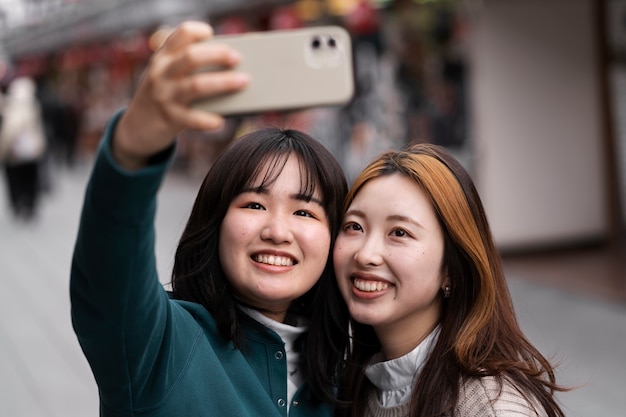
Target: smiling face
x=274, y=244
x=388, y=259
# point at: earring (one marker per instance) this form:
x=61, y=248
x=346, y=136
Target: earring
x=446, y=291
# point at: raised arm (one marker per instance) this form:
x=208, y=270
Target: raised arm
x=120, y=312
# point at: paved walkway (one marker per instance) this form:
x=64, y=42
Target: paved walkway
x=43, y=372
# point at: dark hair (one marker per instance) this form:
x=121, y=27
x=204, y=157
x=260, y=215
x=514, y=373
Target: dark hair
x=479, y=333
x=198, y=274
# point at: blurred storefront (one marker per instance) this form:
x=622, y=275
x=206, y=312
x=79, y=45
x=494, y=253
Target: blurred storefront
x=406, y=69
x=516, y=89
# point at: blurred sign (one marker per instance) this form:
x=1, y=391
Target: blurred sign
x=96, y=21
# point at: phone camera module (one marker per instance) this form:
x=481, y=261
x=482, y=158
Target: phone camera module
x=324, y=50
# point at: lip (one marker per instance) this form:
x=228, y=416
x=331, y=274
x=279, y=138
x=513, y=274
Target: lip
x=373, y=280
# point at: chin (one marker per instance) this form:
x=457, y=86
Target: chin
x=364, y=317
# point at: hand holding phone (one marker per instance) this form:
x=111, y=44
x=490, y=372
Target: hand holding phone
x=160, y=106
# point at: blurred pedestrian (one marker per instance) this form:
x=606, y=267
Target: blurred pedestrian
x=60, y=123
x=22, y=146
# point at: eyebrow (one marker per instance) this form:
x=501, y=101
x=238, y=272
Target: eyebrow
x=307, y=198
x=397, y=217
x=296, y=196
x=393, y=217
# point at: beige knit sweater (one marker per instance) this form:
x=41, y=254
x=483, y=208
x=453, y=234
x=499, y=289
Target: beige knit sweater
x=479, y=398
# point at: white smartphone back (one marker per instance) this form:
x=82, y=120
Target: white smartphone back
x=289, y=70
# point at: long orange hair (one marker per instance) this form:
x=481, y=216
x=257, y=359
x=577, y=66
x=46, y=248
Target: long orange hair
x=479, y=333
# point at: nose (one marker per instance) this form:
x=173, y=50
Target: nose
x=370, y=253
x=277, y=230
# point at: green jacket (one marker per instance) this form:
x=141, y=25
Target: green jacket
x=152, y=356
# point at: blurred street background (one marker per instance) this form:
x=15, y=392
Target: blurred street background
x=530, y=95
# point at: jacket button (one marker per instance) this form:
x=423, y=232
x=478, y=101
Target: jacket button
x=280, y=402
x=278, y=355
x=295, y=403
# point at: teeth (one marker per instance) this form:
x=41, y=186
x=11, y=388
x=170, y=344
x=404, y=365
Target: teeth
x=274, y=260
x=370, y=286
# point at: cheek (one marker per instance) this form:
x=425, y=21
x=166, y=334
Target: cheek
x=317, y=230
x=314, y=242
x=226, y=234
x=321, y=243
x=341, y=253
x=236, y=226
x=234, y=233
x=425, y=265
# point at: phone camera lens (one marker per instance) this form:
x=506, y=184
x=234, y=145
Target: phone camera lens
x=331, y=42
x=316, y=43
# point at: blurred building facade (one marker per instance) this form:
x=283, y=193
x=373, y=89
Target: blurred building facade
x=528, y=94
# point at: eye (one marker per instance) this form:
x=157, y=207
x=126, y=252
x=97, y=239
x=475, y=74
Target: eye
x=352, y=226
x=304, y=213
x=399, y=233
x=254, y=206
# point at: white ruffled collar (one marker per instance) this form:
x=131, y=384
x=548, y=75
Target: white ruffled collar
x=394, y=379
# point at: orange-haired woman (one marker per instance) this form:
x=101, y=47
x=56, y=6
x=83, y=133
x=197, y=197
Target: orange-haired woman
x=434, y=331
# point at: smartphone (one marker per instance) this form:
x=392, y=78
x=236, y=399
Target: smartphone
x=289, y=70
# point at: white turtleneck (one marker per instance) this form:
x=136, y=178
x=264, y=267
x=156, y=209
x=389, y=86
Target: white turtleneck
x=394, y=379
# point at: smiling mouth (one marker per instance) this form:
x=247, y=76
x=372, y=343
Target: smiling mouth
x=370, y=286
x=274, y=260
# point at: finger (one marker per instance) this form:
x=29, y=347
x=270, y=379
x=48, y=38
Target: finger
x=186, y=33
x=202, y=55
x=189, y=118
x=208, y=84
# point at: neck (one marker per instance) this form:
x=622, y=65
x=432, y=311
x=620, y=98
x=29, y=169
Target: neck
x=397, y=342
x=278, y=315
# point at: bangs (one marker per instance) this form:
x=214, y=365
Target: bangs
x=267, y=173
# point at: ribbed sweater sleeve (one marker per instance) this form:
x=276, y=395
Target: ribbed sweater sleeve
x=120, y=311
x=483, y=397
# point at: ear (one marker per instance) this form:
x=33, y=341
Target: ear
x=446, y=280
x=446, y=287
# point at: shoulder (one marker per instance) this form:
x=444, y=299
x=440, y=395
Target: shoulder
x=487, y=396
